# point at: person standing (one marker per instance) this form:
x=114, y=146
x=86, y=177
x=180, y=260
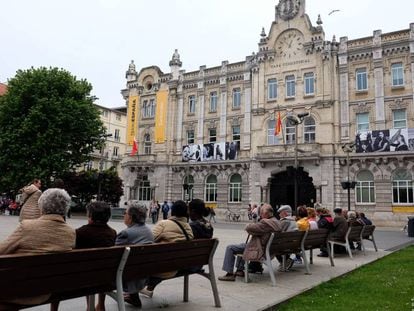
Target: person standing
x=165, y=209
x=30, y=197
x=153, y=210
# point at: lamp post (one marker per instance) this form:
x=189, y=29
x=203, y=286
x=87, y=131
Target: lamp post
x=101, y=164
x=296, y=120
x=348, y=184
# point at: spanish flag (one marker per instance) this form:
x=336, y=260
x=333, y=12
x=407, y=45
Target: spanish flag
x=134, y=148
x=278, y=126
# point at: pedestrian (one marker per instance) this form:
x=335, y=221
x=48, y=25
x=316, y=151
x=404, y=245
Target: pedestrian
x=30, y=197
x=165, y=209
x=212, y=215
x=153, y=210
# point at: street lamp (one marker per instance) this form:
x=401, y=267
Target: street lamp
x=296, y=120
x=101, y=164
x=348, y=184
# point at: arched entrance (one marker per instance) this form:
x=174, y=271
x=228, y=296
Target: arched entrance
x=282, y=188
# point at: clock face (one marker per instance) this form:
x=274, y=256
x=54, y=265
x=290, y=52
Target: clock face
x=290, y=44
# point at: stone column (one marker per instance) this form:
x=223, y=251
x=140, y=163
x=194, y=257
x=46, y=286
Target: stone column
x=246, y=133
x=180, y=112
x=200, y=102
x=344, y=89
x=412, y=55
x=379, y=81
x=223, y=102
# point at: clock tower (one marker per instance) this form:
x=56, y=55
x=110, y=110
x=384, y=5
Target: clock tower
x=289, y=9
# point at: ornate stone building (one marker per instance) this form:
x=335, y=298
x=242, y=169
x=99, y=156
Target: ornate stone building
x=213, y=133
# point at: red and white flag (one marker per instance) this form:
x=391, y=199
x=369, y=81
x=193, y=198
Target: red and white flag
x=278, y=126
x=134, y=148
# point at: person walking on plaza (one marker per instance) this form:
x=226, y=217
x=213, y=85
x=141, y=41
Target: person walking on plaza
x=254, y=249
x=137, y=232
x=30, y=197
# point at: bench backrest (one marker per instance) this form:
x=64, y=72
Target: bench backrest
x=315, y=239
x=354, y=233
x=146, y=260
x=368, y=231
x=58, y=273
x=285, y=242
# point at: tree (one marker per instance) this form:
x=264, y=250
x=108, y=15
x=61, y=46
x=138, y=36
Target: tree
x=48, y=124
x=84, y=186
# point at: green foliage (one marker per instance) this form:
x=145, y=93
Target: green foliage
x=48, y=124
x=84, y=186
x=384, y=285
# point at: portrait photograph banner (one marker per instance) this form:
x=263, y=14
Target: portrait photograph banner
x=394, y=140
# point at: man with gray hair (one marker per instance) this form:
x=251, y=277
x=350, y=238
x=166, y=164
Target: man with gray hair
x=254, y=250
x=288, y=223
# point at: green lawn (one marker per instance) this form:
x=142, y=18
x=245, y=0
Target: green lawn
x=387, y=284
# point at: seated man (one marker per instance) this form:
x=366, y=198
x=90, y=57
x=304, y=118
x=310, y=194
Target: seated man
x=255, y=248
x=288, y=223
x=339, y=229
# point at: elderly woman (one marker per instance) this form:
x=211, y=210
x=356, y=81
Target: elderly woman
x=137, y=232
x=47, y=234
x=30, y=197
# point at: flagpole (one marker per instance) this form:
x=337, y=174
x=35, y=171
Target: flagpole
x=283, y=132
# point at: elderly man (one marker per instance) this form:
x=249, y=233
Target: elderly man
x=254, y=249
x=288, y=223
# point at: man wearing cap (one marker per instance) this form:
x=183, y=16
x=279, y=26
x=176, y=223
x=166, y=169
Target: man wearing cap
x=288, y=224
x=254, y=250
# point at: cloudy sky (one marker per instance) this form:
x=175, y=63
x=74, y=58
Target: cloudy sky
x=97, y=39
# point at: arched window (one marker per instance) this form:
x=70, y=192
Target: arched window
x=365, y=188
x=290, y=132
x=309, y=129
x=188, y=188
x=272, y=139
x=147, y=144
x=210, y=189
x=145, y=190
x=402, y=187
x=235, y=189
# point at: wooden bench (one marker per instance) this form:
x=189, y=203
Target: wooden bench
x=87, y=272
x=279, y=244
x=315, y=239
x=368, y=234
x=354, y=234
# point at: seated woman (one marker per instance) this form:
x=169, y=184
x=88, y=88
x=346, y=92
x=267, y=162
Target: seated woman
x=137, y=232
x=96, y=233
x=49, y=233
x=174, y=229
x=202, y=229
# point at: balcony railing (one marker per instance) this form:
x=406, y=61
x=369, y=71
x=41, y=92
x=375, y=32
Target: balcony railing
x=288, y=151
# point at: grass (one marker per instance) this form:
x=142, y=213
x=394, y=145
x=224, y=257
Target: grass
x=387, y=284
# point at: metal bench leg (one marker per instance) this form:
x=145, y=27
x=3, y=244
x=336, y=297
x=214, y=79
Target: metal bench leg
x=348, y=248
x=363, y=246
x=305, y=259
x=271, y=271
x=246, y=271
x=91, y=302
x=330, y=254
x=186, y=281
x=373, y=242
x=311, y=256
x=331, y=244
x=213, y=283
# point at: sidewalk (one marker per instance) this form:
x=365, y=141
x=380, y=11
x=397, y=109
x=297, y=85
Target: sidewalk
x=257, y=295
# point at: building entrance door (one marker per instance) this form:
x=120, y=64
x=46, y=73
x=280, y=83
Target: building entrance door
x=282, y=189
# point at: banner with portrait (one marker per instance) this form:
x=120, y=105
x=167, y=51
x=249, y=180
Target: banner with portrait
x=394, y=140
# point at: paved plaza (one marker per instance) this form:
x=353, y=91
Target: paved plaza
x=257, y=295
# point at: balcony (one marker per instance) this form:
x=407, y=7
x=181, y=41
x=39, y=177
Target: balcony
x=287, y=152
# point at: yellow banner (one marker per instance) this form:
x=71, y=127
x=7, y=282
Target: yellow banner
x=161, y=117
x=132, y=128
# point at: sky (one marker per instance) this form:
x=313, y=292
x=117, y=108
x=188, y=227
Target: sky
x=97, y=39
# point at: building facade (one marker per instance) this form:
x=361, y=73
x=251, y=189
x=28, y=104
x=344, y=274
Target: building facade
x=115, y=122
x=214, y=133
